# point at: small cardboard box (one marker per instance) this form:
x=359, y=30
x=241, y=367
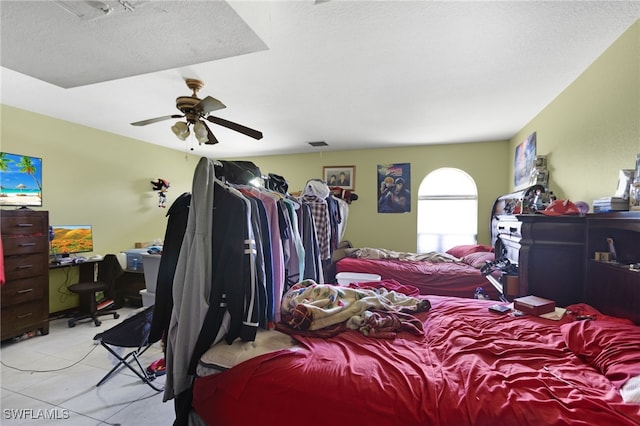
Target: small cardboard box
x=534, y=305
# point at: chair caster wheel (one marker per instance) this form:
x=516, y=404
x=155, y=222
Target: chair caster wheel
x=116, y=315
x=97, y=323
x=72, y=324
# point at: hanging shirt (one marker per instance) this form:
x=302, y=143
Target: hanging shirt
x=320, y=214
x=192, y=283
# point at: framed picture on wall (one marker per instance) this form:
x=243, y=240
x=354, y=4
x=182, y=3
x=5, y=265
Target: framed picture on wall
x=524, y=161
x=340, y=176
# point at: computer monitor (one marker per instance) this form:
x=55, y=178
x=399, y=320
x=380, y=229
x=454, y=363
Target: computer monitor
x=71, y=239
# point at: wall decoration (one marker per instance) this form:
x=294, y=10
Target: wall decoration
x=394, y=188
x=524, y=162
x=539, y=172
x=162, y=186
x=340, y=176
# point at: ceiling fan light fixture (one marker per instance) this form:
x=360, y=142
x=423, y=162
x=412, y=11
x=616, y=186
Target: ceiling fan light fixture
x=195, y=111
x=181, y=130
x=200, y=130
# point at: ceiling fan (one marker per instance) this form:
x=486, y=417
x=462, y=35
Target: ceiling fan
x=195, y=111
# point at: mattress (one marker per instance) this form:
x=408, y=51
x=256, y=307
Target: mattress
x=469, y=367
x=456, y=279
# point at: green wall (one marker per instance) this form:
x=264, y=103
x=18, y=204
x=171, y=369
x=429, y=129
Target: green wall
x=98, y=178
x=485, y=162
x=592, y=129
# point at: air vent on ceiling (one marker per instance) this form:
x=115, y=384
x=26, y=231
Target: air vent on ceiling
x=318, y=143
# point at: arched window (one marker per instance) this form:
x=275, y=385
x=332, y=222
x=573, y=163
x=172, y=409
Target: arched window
x=447, y=210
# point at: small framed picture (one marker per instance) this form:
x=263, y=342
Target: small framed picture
x=340, y=176
x=637, y=173
x=541, y=162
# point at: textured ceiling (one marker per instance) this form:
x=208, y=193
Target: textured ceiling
x=356, y=74
x=75, y=43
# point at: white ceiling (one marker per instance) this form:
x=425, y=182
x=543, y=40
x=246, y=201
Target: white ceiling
x=356, y=74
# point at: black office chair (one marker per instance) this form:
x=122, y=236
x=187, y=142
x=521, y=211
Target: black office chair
x=109, y=270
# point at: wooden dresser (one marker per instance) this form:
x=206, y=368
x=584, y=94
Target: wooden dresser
x=25, y=294
x=613, y=287
x=549, y=252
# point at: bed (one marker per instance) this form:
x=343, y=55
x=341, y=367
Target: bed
x=453, y=273
x=467, y=366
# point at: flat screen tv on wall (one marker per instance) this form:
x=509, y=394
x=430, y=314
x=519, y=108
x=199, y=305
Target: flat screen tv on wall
x=20, y=180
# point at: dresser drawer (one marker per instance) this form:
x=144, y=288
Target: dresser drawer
x=24, y=290
x=25, y=245
x=24, y=317
x=27, y=224
x=509, y=248
x=28, y=265
x=509, y=227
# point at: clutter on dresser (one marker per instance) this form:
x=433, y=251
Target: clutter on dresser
x=540, y=173
x=534, y=305
x=525, y=201
x=634, y=188
x=625, y=180
x=625, y=196
x=610, y=204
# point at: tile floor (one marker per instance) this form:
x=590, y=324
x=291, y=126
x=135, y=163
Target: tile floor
x=51, y=380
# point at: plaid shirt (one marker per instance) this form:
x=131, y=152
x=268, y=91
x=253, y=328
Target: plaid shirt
x=321, y=222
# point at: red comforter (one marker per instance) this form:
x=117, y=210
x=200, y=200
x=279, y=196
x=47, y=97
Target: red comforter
x=442, y=279
x=471, y=367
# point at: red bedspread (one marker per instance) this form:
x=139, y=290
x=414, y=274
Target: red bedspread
x=442, y=279
x=472, y=367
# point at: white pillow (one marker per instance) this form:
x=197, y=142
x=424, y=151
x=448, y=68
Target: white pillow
x=222, y=356
x=631, y=390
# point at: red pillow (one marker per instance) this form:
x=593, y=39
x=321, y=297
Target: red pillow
x=613, y=348
x=462, y=251
x=478, y=259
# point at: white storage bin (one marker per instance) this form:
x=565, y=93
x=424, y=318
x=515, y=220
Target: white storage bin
x=134, y=259
x=346, y=278
x=148, y=299
x=151, y=264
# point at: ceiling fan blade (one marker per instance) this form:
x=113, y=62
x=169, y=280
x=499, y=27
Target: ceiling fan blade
x=211, y=138
x=235, y=126
x=155, y=120
x=208, y=104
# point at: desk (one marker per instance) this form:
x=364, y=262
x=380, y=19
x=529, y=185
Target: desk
x=87, y=269
x=127, y=289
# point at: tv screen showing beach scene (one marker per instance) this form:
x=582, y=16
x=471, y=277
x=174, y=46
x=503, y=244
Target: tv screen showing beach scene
x=20, y=180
